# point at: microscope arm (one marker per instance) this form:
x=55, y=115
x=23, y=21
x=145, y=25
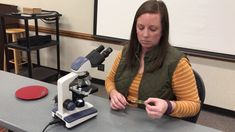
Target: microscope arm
x=63, y=92
x=79, y=66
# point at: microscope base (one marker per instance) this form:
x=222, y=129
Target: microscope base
x=75, y=118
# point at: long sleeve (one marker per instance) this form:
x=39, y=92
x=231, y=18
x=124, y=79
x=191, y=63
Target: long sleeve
x=109, y=82
x=185, y=90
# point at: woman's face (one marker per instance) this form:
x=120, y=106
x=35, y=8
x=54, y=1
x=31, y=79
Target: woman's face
x=149, y=30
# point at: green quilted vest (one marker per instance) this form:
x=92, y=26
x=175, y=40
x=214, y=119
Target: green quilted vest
x=154, y=83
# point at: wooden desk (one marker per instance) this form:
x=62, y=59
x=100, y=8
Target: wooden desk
x=33, y=116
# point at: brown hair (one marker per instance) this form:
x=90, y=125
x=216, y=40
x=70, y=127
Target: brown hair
x=150, y=6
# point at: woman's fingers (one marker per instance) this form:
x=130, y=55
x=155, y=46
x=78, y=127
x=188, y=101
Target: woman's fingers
x=118, y=101
x=153, y=114
x=157, y=109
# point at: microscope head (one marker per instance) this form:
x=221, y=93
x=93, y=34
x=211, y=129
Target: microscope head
x=97, y=56
x=82, y=65
x=93, y=59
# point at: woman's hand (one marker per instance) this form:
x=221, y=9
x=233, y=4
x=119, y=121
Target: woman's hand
x=118, y=101
x=155, y=107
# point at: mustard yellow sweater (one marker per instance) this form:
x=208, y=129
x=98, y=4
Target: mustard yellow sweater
x=183, y=85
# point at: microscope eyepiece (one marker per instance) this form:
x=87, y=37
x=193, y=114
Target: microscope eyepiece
x=100, y=48
x=106, y=52
x=96, y=57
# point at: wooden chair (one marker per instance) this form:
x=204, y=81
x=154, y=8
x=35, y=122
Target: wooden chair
x=17, y=55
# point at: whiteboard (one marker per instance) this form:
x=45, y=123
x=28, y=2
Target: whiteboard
x=207, y=25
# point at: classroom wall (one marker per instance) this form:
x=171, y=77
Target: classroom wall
x=218, y=76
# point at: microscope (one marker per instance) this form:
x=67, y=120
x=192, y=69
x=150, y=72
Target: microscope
x=73, y=87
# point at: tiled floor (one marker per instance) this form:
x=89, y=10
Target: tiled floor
x=220, y=122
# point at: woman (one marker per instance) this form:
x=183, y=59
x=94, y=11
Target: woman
x=151, y=71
